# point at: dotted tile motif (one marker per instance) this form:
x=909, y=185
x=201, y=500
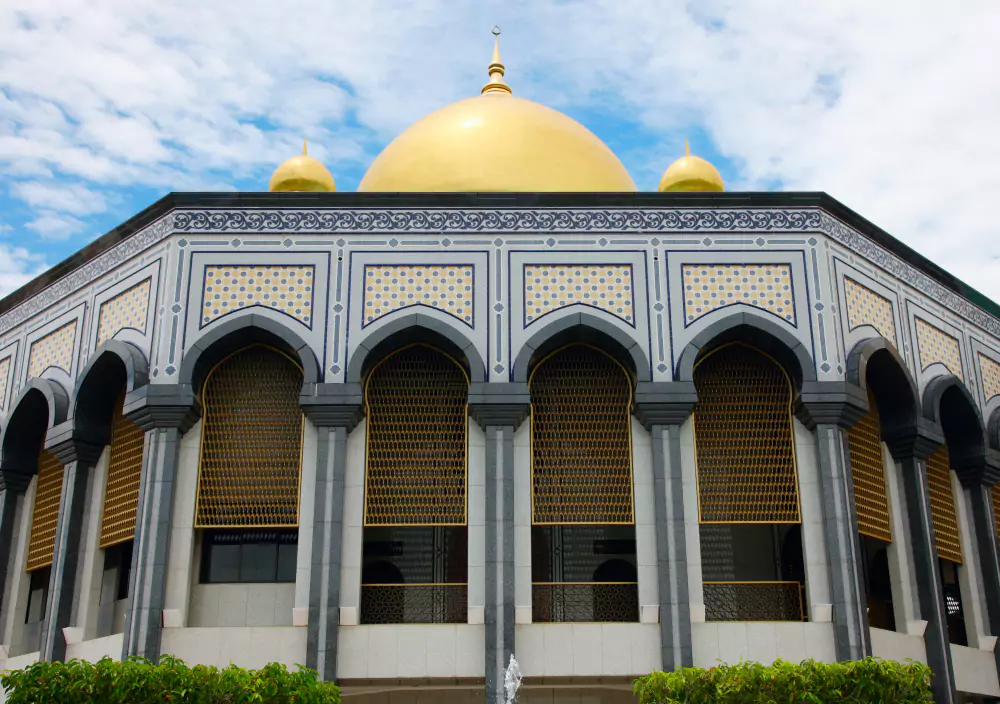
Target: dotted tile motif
x=865, y=307
x=53, y=350
x=989, y=370
x=286, y=289
x=937, y=346
x=709, y=287
x=126, y=310
x=4, y=379
x=607, y=287
x=389, y=288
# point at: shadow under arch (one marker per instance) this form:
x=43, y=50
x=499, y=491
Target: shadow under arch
x=415, y=328
x=40, y=406
x=767, y=336
x=876, y=364
x=233, y=335
x=948, y=404
x=586, y=328
x=114, y=366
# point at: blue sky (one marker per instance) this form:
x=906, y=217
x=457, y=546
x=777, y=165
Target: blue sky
x=891, y=107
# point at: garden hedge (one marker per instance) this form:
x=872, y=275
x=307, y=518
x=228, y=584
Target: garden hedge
x=141, y=682
x=861, y=681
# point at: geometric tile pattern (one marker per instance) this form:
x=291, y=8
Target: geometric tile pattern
x=286, y=289
x=607, y=287
x=53, y=350
x=126, y=310
x=989, y=370
x=391, y=287
x=936, y=346
x=708, y=287
x=4, y=378
x=865, y=307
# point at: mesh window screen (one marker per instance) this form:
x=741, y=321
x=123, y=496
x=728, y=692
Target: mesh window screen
x=45, y=515
x=251, y=443
x=743, y=436
x=996, y=505
x=870, y=497
x=121, y=495
x=417, y=408
x=580, y=439
x=949, y=546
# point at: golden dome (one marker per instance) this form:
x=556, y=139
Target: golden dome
x=302, y=173
x=496, y=142
x=691, y=173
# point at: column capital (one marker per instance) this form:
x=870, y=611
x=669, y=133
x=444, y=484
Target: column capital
x=333, y=405
x=978, y=469
x=914, y=440
x=14, y=480
x=69, y=444
x=839, y=403
x=499, y=403
x=664, y=402
x=163, y=406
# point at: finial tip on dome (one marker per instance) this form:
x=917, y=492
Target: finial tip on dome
x=302, y=173
x=691, y=173
x=496, y=68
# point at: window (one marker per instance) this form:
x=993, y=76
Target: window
x=38, y=596
x=117, y=571
x=946, y=537
x=233, y=556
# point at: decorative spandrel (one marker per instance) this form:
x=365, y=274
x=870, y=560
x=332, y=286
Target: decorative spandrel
x=251, y=445
x=53, y=350
x=989, y=370
x=281, y=288
x=865, y=307
x=743, y=438
x=392, y=287
x=607, y=287
x=938, y=347
x=416, y=406
x=709, y=287
x=126, y=310
x=121, y=494
x=580, y=439
x=868, y=472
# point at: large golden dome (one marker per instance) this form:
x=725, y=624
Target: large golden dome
x=302, y=173
x=497, y=142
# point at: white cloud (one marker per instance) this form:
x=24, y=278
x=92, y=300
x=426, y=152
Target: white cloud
x=57, y=196
x=18, y=267
x=54, y=226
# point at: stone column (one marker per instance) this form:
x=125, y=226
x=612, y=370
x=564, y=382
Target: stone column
x=164, y=412
x=662, y=407
x=78, y=455
x=830, y=409
x=13, y=484
x=335, y=409
x=499, y=409
x=911, y=447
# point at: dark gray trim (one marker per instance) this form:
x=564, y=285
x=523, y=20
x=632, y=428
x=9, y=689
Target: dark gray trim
x=993, y=429
x=875, y=365
x=862, y=353
x=664, y=402
x=499, y=607
x=584, y=324
x=949, y=405
x=132, y=359
x=163, y=406
x=330, y=405
x=233, y=334
x=985, y=531
x=415, y=325
x=25, y=431
x=8, y=517
x=771, y=337
x=838, y=403
x=499, y=404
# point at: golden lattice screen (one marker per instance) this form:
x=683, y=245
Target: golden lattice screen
x=871, y=499
x=251, y=443
x=121, y=495
x=416, y=401
x=996, y=506
x=45, y=516
x=743, y=436
x=949, y=546
x=580, y=439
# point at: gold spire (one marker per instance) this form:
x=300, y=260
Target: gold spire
x=691, y=173
x=496, y=84
x=305, y=147
x=687, y=147
x=302, y=173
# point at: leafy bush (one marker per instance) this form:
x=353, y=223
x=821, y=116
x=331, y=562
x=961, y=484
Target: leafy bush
x=141, y=682
x=860, y=681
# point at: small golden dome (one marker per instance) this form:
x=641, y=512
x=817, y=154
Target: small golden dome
x=496, y=142
x=302, y=173
x=691, y=173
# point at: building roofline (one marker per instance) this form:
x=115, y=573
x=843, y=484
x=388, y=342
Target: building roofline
x=778, y=199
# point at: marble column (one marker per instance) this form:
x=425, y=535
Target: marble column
x=830, y=409
x=78, y=455
x=911, y=447
x=662, y=407
x=335, y=409
x=13, y=484
x=499, y=409
x=164, y=412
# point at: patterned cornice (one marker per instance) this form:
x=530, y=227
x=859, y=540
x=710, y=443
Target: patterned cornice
x=500, y=221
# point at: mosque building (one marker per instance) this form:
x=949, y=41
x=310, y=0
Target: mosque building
x=496, y=403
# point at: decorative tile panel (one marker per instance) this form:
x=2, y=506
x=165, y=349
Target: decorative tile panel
x=285, y=289
x=607, y=287
x=53, y=350
x=391, y=287
x=4, y=379
x=935, y=346
x=865, y=307
x=989, y=370
x=126, y=310
x=709, y=287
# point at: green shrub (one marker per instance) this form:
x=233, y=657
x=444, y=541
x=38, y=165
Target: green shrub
x=141, y=682
x=811, y=682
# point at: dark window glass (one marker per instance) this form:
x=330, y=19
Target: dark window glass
x=117, y=570
x=878, y=588
x=248, y=556
x=38, y=592
x=954, y=611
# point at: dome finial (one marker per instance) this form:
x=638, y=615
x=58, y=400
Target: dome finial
x=687, y=147
x=691, y=173
x=496, y=84
x=305, y=147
